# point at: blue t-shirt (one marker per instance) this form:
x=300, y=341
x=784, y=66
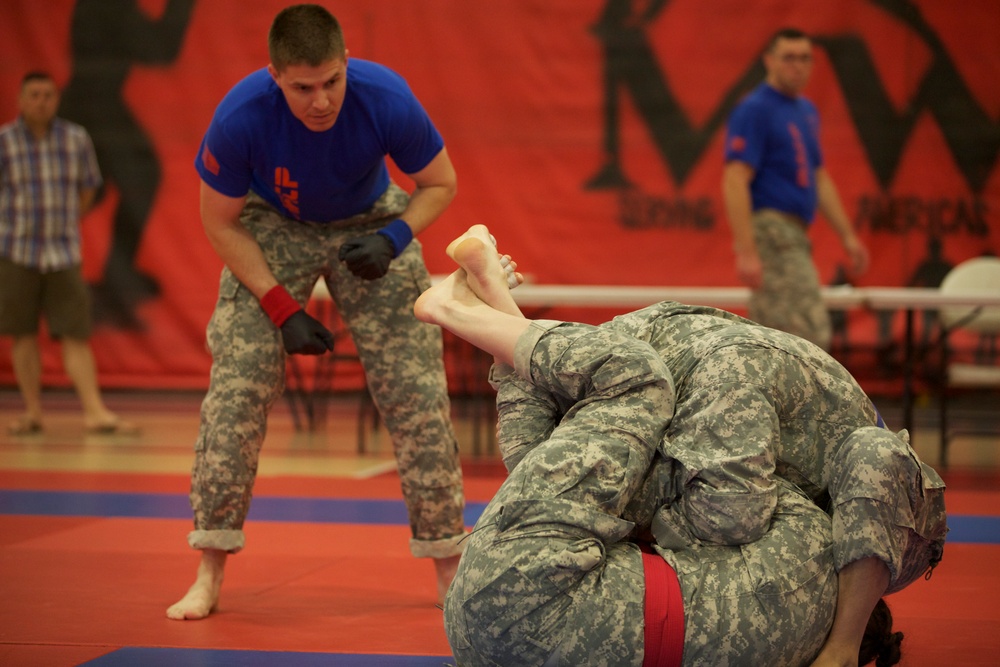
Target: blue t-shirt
x=255, y=143
x=778, y=136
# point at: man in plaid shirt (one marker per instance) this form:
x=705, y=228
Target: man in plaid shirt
x=48, y=179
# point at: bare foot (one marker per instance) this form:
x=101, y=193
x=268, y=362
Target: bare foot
x=479, y=232
x=452, y=305
x=474, y=251
x=433, y=305
x=25, y=425
x=203, y=596
x=113, y=427
x=445, y=568
x=101, y=421
x=513, y=276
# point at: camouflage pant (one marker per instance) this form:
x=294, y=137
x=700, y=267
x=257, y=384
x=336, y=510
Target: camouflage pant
x=789, y=297
x=754, y=404
x=547, y=577
x=769, y=602
x=403, y=364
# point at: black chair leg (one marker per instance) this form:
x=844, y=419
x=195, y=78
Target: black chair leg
x=943, y=400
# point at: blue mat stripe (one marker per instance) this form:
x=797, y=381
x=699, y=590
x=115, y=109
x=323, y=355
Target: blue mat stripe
x=973, y=529
x=174, y=506
x=171, y=657
x=964, y=528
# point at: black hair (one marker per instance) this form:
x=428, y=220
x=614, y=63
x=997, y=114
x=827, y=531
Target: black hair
x=880, y=643
x=785, y=33
x=35, y=75
x=304, y=34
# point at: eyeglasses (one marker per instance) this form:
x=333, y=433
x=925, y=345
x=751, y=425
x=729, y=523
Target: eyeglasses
x=804, y=58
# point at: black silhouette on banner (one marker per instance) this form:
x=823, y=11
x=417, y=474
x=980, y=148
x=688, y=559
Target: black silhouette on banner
x=973, y=138
x=107, y=38
x=631, y=67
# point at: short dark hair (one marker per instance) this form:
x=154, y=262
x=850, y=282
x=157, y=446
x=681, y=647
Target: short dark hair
x=785, y=33
x=306, y=34
x=35, y=75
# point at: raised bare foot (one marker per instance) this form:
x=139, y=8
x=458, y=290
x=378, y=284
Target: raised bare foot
x=482, y=235
x=512, y=275
x=479, y=232
x=203, y=596
x=474, y=251
x=431, y=306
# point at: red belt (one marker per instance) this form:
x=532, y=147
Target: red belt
x=663, y=636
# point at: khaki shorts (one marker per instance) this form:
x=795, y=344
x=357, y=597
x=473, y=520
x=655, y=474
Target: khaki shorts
x=27, y=294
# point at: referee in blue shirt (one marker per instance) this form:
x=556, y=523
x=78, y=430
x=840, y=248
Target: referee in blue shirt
x=294, y=188
x=772, y=183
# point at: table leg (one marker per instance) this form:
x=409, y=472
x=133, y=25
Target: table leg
x=908, y=374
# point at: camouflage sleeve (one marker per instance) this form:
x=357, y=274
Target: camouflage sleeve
x=886, y=504
x=725, y=437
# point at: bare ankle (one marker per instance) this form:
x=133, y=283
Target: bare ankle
x=203, y=596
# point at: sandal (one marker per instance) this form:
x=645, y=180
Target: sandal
x=24, y=426
x=116, y=427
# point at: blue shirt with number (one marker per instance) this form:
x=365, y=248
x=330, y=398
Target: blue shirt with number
x=254, y=143
x=777, y=136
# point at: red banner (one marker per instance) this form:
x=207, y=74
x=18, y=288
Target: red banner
x=587, y=134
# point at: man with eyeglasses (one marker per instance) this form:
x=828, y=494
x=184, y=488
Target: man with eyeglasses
x=772, y=183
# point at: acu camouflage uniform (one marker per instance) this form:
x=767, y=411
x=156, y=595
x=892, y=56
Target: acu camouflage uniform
x=402, y=359
x=548, y=576
x=789, y=296
x=755, y=404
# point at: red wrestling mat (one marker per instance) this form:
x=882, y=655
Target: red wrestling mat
x=953, y=619
x=75, y=588
x=303, y=587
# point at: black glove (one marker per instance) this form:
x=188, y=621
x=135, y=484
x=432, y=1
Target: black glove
x=368, y=257
x=303, y=334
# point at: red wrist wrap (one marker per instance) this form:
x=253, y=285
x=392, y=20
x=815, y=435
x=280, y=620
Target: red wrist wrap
x=279, y=305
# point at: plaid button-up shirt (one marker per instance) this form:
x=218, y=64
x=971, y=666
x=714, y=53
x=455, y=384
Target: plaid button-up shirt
x=40, y=185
